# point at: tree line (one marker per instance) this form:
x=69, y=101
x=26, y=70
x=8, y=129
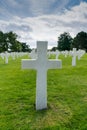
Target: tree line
x=9, y=42
x=66, y=42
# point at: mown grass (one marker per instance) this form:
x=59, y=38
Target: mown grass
x=67, y=97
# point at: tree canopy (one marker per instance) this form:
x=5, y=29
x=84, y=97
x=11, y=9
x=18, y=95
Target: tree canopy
x=9, y=42
x=80, y=41
x=64, y=41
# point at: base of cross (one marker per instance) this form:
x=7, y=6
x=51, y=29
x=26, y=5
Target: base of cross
x=43, y=108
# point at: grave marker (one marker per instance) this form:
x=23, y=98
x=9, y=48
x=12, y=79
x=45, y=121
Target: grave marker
x=74, y=57
x=41, y=64
x=6, y=57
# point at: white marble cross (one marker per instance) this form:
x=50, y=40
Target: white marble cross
x=57, y=54
x=13, y=55
x=3, y=55
x=74, y=57
x=41, y=64
x=33, y=54
x=80, y=53
x=6, y=57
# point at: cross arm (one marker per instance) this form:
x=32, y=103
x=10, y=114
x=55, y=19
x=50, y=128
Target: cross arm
x=28, y=64
x=54, y=64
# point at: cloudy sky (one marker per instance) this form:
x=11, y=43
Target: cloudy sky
x=34, y=20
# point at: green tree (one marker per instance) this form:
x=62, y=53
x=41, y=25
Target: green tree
x=80, y=41
x=9, y=42
x=54, y=49
x=12, y=41
x=64, y=41
x=25, y=47
x=3, y=42
x=18, y=46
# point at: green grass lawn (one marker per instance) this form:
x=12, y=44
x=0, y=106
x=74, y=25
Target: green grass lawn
x=67, y=97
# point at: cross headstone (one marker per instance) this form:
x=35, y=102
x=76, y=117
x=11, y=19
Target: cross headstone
x=41, y=64
x=66, y=53
x=80, y=53
x=13, y=55
x=33, y=54
x=57, y=54
x=6, y=57
x=74, y=57
x=2, y=56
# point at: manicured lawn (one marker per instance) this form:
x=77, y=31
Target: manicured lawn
x=67, y=97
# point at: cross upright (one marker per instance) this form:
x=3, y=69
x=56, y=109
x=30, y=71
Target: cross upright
x=41, y=64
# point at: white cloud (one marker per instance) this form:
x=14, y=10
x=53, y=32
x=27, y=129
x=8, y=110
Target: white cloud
x=77, y=13
x=48, y=27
